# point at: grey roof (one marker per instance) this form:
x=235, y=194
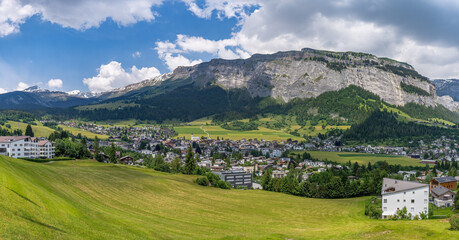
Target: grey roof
x=445, y=179
x=399, y=185
x=440, y=190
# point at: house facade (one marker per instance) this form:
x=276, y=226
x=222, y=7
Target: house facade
x=443, y=197
x=447, y=182
x=25, y=147
x=397, y=194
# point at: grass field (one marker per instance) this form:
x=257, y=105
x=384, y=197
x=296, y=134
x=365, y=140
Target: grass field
x=217, y=131
x=39, y=130
x=88, y=134
x=363, y=158
x=90, y=200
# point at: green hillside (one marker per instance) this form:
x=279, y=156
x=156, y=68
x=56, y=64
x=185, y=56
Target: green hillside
x=90, y=200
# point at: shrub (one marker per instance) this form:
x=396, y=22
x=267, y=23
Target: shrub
x=224, y=185
x=203, y=181
x=373, y=208
x=454, y=221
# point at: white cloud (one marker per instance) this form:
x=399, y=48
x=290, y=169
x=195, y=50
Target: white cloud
x=12, y=14
x=223, y=8
x=81, y=14
x=21, y=86
x=113, y=76
x=55, y=83
x=2, y=91
x=172, y=53
x=136, y=54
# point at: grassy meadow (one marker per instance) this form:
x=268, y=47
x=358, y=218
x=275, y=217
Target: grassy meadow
x=217, y=131
x=39, y=130
x=90, y=200
x=363, y=158
x=88, y=134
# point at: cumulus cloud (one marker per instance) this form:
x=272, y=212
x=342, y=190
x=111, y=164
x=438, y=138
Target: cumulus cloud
x=223, y=8
x=55, y=83
x=81, y=15
x=113, y=75
x=12, y=14
x=22, y=86
x=172, y=53
x=2, y=91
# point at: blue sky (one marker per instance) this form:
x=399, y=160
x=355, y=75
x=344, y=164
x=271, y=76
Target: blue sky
x=99, y=45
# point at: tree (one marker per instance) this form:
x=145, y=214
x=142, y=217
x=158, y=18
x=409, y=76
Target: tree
x=96, y=148
x=198, y=149
x=190, y=162
x=454, y=221
x=112, y=154
x=29, y=131
x=176, y=165
x=452, y=172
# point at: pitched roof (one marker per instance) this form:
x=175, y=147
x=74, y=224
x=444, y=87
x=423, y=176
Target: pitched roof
x=445, y=179
x=440, y=190
x=393, y=185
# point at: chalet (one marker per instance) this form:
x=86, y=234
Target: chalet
x=398, y=194
x=127, y=160
x=447, y=182
x=443, y=197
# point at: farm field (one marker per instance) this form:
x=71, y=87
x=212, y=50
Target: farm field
x=363, y=158
x=217, y=131
x=90, y=200
x=76, y=131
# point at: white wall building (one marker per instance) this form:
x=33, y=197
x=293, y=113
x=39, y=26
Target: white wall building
x=25, y=147
x=397, y=194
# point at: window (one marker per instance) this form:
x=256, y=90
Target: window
x=412, y=209
x=425, y=193
x=385, y=200
x=425, y=209
x=425, y=201
x=413, y=192
x=404, y=200
x=412, y=200
x=398, y=200
x=385, y=209
x=404, y=193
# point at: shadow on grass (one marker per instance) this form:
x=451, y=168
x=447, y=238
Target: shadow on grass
x=42, y=224
x=22, y=196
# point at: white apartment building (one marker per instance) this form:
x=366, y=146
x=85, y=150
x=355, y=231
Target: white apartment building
x=397, y=194
x=25, y=147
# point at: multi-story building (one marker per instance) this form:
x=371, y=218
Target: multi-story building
x=25, y=147
x=398, y=194
x=237, y=178
x=447, y=182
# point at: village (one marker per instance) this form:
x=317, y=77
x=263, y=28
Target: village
x=243, y=163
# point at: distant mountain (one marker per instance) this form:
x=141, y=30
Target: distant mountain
x=35, y=98
x=241, y=86
x=447, y=87
x=78, y=93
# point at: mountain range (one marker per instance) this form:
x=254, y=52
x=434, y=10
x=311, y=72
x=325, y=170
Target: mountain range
x=283, y=78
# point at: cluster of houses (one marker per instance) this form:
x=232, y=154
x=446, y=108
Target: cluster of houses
x=414, y=196
x=26, y=147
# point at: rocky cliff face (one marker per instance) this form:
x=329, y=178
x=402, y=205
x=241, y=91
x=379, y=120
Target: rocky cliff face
x=447, y=87
x=309, y=73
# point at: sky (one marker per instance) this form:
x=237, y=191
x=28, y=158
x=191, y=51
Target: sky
x=99, y=45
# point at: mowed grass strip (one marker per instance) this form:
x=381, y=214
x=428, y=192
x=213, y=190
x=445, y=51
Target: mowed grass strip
x=363, y=158
x=90, y=200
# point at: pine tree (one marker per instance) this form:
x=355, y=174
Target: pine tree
x=96, y=149
x=190, y=163
x=29, y=131
x=112, y=154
